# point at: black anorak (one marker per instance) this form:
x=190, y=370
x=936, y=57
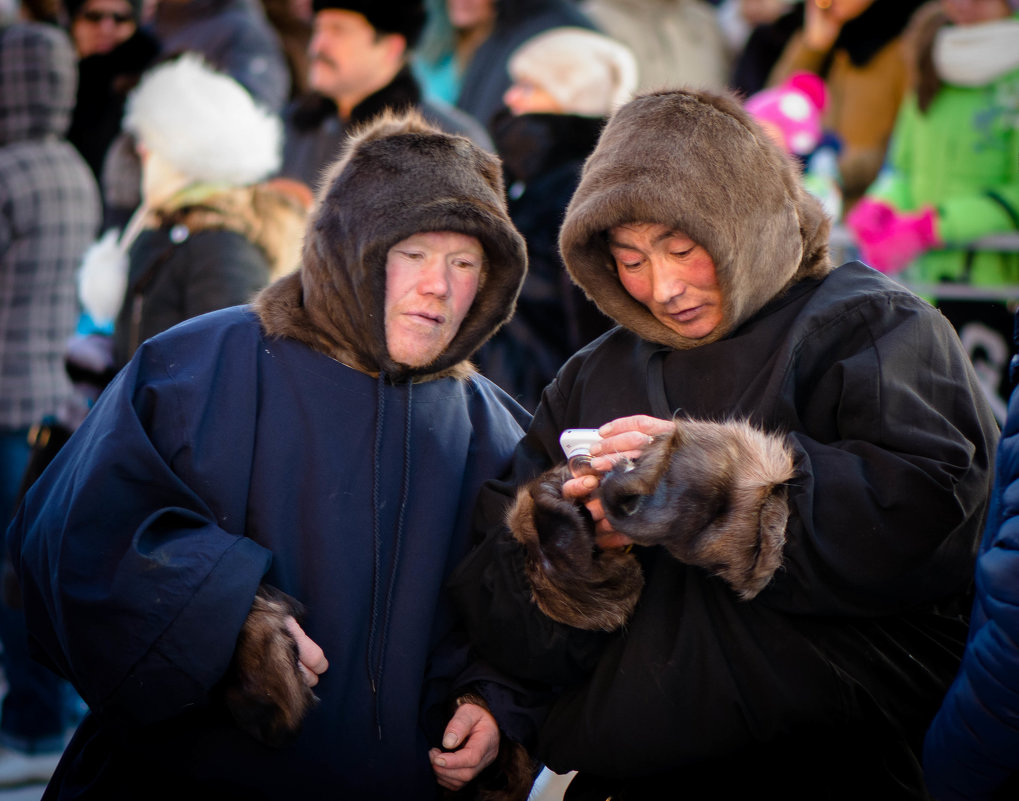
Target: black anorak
x=822, y=684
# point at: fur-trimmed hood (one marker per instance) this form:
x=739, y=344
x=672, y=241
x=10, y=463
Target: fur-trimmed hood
x=397, y=176
x=698, y=162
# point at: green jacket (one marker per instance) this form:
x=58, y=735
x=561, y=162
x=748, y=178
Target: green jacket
x=962, y=157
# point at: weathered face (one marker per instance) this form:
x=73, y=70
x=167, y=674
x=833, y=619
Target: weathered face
x=101, y=25
x=670, y=274
x=431, y=281
x=349, y=59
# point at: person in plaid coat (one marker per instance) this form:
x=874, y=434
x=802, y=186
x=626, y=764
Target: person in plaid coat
x=49, y=213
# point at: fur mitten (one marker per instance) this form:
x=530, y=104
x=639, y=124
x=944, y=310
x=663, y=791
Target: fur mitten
x=265, y=691
x=571, y=580
x=713, y=494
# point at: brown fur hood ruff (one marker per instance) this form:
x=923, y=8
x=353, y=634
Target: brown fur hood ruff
x=397, y=176
x=744, y=203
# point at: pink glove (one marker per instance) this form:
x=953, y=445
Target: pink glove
x=890, y=239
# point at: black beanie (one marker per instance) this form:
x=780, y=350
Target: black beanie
x=406, y=17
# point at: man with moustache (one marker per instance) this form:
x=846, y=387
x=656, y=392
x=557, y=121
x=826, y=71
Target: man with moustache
x=358, y=66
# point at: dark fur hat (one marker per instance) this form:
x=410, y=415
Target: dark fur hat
x=698, y=162
x=405, y=17
x=397, y=176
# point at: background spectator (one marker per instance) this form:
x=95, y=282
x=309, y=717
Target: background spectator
x=769, y=26
x=208, y=234
x=676, y=42
x=791, y=114
x=360, y=54
x=566, y=81
x=485, y=75
x=952, y=177
x=234, y=37
x=438, y=58
x=291, y=19
x=49, y=212
x=971, y=752
x=113, y=52
x=854, y=45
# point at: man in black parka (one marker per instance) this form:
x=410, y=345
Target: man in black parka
x=761, y=592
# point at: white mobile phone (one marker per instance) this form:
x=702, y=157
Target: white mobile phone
x=578, y=441
x=576, y=444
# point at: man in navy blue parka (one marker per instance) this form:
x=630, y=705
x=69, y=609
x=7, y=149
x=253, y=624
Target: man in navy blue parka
x=313, y=456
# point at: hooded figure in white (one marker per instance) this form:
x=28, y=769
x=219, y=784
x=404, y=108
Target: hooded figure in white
x=210, y=231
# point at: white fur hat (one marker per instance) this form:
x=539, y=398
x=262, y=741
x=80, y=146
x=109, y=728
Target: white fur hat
x=587, y=72
x=204, y=124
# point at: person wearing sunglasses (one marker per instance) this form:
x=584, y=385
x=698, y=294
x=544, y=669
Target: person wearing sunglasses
x=98, y=26
x=113, y=52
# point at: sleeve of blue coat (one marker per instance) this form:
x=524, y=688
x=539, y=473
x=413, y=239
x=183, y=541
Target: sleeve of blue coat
x=135, y=576
x=972, y=747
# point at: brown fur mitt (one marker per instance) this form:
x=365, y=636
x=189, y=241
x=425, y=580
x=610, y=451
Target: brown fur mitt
x=713, y=494
x=264, y=690
x=571, y=580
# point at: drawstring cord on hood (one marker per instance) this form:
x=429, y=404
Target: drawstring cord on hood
x=375, y=663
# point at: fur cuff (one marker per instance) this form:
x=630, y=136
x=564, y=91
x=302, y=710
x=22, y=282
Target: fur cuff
x=571, y=580
x=264, y=690
x=713, y=494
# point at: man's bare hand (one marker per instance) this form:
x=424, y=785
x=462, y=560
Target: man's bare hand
x=471, y=741
x=623, y=438
x=626, y=437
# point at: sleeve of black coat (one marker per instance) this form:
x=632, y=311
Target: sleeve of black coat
x=492, y=589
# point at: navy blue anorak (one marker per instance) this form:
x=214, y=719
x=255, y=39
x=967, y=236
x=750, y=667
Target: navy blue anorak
x=220, y=459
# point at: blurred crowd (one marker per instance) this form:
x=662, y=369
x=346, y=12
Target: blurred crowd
x=159, y=159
